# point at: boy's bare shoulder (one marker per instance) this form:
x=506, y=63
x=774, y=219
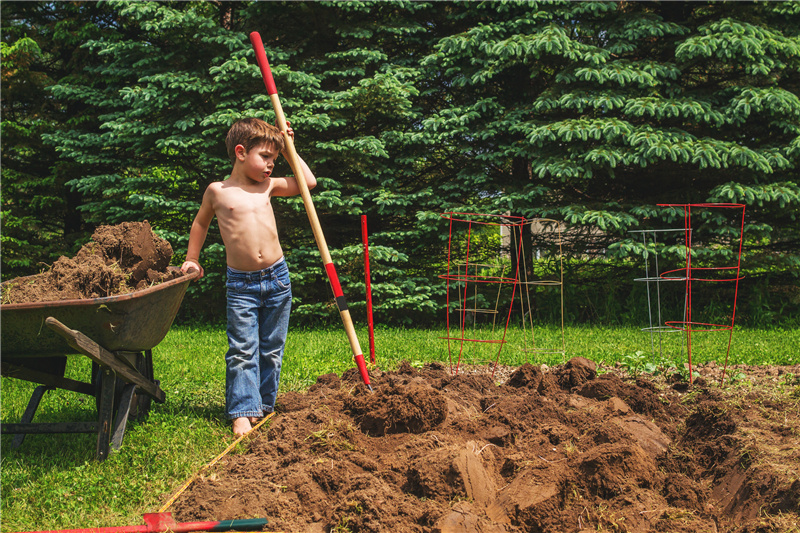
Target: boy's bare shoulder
x=215, y=188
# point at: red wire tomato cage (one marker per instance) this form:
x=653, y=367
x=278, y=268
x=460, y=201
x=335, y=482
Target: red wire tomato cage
x=465, y=273
x=691, y=274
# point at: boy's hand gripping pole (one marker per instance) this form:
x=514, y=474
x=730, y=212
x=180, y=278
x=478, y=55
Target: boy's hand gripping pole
x=294, y=162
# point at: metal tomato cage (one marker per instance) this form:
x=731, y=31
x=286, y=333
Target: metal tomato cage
x=472, y=283
x=653, y=284
x=551, y=277
x=696, y=270
x=117, y=333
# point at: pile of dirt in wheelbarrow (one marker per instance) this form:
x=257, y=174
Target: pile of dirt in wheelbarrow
x=549, y=450
x=118, y=259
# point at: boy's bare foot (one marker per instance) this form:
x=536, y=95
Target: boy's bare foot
x=241, y=425
x=255, y=419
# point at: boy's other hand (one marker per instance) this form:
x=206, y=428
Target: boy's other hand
x=289, y=129
x=289, y=132
x=189, y=266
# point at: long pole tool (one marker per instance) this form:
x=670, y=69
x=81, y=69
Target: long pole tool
x=164, y=523
x=294, y=162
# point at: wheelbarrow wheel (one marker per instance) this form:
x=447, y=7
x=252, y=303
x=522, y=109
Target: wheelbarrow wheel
x=140, y=405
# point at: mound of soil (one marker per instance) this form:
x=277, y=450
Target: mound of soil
x=564, y=449
x=117, y=260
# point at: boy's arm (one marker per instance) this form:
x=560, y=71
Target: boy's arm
x=289, y=186
x=197, y=235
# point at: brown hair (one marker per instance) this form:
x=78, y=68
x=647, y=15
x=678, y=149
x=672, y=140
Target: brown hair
x=252, y=132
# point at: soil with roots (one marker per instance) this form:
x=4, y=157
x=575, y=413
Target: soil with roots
x=552, y=450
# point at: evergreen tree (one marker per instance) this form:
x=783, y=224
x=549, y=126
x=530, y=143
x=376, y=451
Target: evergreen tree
x=177, y=75
x=586, y=112
x=40, y=45
x=594, y=112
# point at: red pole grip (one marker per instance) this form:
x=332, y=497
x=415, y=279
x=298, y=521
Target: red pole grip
x=261, y=59
x=330, y=269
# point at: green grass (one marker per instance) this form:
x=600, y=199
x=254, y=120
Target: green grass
x=53, y=482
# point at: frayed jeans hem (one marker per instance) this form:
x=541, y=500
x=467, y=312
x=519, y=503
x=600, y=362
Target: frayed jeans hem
x=246, y=414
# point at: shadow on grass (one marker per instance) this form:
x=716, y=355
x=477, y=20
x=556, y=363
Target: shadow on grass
x=73, y=449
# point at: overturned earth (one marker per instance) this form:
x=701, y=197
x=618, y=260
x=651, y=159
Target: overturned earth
x=551, y=450
x=117, y=260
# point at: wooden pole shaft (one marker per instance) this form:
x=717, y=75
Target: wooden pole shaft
x=297, y=169
x=305, y=194
x=316, y=227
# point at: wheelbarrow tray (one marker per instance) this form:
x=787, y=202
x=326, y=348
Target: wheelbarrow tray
x=131, y=322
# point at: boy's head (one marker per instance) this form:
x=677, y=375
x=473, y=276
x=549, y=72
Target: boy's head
x=250, y=133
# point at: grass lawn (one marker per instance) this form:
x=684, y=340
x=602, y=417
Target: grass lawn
x=52, y=481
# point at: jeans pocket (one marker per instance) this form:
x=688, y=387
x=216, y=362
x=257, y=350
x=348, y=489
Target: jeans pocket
x=282, y=279
x=235, y=285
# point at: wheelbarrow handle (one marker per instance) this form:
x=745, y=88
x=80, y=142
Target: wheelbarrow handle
x=104, y=358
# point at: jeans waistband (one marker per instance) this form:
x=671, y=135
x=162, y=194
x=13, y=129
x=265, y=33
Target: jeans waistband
x=255, y=275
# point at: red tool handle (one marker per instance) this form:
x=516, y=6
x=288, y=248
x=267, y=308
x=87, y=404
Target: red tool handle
x=163, y=522
x=261, y=59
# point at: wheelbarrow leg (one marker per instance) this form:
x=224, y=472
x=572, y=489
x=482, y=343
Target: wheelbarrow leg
x=130, y=402
x=143, y=405
x=123, y=411
x=105, y=413
x=30, y=410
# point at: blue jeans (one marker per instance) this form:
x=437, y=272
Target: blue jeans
x=258, y=319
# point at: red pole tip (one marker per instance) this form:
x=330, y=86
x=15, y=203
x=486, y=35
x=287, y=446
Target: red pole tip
x=362, y=369
x=263, y=64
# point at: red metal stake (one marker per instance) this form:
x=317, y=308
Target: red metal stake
x=365, y=237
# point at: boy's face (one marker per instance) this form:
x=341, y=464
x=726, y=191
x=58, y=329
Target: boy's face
x=258, y=162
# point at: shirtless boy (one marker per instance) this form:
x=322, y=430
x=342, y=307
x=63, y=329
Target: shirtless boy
x=258, y=290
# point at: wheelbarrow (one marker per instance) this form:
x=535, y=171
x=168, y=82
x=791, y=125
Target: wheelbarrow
x=117, y=333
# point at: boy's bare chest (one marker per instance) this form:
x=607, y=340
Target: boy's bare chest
x=239, y=202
